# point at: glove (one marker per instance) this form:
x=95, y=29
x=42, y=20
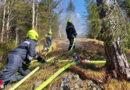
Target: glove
x=75, y=34
x=41, y=60
x=26, y=64
x=28, y=61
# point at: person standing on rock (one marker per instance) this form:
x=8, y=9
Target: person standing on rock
x=71, y=33
x=25, y=52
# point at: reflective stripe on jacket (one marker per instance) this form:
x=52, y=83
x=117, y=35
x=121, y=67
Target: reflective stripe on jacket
x=26, y=49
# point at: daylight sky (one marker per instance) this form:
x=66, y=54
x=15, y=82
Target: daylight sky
x=77, y=17
x=79, y=8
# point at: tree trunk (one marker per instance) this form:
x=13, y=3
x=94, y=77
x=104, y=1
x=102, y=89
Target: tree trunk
x=3, y=26
x=10, y=17
x=17, y=38
x=33, y=14
x=37, y=15
x=8, y=22
x=117, y=64
x=60, y=27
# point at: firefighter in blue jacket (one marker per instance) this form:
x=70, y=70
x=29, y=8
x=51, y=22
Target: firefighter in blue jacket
x=49, y=38
x=48, y=41
x=71, y=33
x=25, y=52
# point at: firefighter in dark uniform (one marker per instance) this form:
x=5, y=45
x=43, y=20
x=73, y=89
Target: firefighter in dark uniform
x=71, y=33
x=25, y=52
x=47, y=41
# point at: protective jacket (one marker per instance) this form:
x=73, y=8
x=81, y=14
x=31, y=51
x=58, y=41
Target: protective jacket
x=49, y=37
x=25, y=51
x=70, y=30
x=48, y=40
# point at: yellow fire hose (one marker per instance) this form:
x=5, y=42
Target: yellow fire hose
x=44, y=84
x=54, y=76
x=91, y=62
x=50, y=49
x=94, y=62
x=72, y=45
x=30, y=74
x=25, y=78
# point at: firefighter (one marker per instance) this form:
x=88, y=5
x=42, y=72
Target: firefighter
x=48, y=41
x=25, y=52
x=71, y=33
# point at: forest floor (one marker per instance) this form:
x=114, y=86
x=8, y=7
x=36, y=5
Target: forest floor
x=91, y=76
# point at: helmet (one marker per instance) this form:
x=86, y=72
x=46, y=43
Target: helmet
x=49, y=32
x=69, y=20
x=32, y=34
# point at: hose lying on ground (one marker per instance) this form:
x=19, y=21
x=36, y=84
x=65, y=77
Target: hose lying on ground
x=72, y=45
x=32, y=72
x=44, y=84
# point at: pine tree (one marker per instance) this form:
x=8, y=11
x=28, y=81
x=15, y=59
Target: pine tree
x=125, y=5
x=92, y=19
x=3, y=21
x=22, y=21
x=71, y=7
x=114, y=28
x=47, y=17
x=33, y=14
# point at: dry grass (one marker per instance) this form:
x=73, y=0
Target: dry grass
x=98, y=71
x=92, y=40
x=40, y=76
x=48, y=69
x=2, y=66
x=117, y=85
x=127, y=50
x=44, y=73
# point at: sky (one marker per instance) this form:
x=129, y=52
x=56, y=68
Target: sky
x=79, y=8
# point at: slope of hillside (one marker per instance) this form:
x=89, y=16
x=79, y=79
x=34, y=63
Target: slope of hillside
x=77, y=77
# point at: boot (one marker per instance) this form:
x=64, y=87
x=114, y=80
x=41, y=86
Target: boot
x=69, y=48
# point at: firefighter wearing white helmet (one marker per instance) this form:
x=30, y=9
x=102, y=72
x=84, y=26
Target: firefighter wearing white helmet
x=25, y=52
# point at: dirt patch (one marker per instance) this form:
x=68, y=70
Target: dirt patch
x=84, y=75
x=92, y=46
